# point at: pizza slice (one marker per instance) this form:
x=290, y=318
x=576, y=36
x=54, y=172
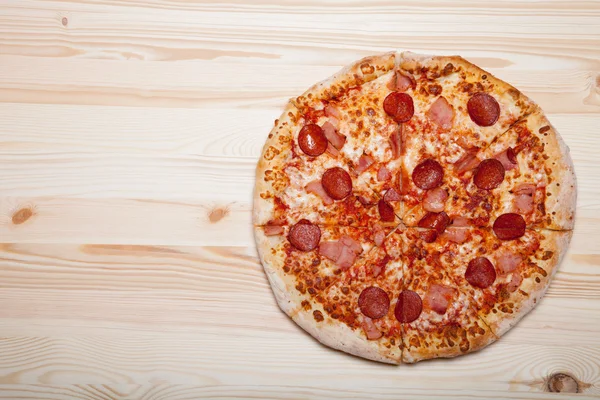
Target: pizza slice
x=458, y=107
x=505, y=278
x=529, y=172
x=362, y=301
x=335, y=283
x=312, y=256
x=438, y=319
x=297, y=179
x=361, y=135
x=454, y=111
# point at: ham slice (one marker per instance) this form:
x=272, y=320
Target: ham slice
x=351, y=243
x=332, y=111
x=316, y=188
x=435, y=200
x=391, y=195
x=346, y=258
x=466, y=162
x=342, y=252
x=523, y=201
x=396, y=142
x=332, y=151
x=441, y=113
x=333, y=136
x=366, y=201
x=515, y=282
x=508, y=160
x=525, y=188
x=379, y=237
x=334, y=115
x=364, y=162
x=383, y=174
x=523, y=204
x=370, y=329
x=273, y=230
x=507, y=262
x=456, y=235
x=378, y=234
x=331, y=249
x=438, y=298
x=459, y=222
x=401, y=82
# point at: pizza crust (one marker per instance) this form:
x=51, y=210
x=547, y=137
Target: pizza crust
x=358, y=73
x=562, y=200
x=476, y=343
x=411, y=61
x=269, y=179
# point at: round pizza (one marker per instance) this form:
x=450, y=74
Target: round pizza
x=412, y=207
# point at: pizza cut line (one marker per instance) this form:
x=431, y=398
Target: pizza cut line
x=412, y=207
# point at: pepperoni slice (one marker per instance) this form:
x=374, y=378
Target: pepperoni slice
x=374, y=302
x=511, y=155
x=386, y=212
x=409, y=306
x=484, y=110
x=304, y=236
x=428, y=236
x=428, y=175
x=337, y=183
x=480, y=273
x=509, y=226
x=312, y=140
x=489, y=175
x=437, y=221
x=399, y=106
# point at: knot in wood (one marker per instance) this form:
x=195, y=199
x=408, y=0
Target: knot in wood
x=562, y=383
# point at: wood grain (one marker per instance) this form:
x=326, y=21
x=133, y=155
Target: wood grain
x=129, y=132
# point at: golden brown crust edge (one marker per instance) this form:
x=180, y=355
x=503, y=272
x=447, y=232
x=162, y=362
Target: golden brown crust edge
x=476, y=343
x=413, y=61
x=562, y=202
x=329, y=331
x=276, y=150
x=358, y=73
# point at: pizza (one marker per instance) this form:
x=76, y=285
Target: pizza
x=412, y=207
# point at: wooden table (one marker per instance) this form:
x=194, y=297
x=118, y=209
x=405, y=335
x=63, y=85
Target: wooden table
x=129, y=133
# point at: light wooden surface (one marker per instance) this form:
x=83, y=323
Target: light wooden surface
x=129, y=132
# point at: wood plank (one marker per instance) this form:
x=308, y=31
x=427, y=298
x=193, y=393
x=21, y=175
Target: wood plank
x=191, y=392
x=182, y=359
x=216, y=220
x=76, y=64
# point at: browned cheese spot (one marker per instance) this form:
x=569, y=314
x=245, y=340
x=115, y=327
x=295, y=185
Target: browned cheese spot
x=318, y=315
x=306, y=305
